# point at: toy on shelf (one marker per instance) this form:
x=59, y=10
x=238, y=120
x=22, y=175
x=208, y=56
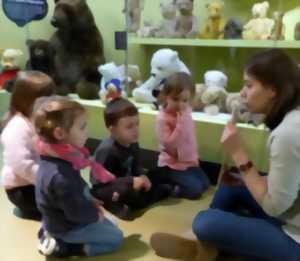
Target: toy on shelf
x=164, y=62
x=167, y=28
x=211, y=96
x=187, y=23
x=148, y=30
x=233, y=29
x=215, y=23
x=133, y=13
x=279, y=27
x=78, y=47
x=297, y=31
x=240, y=112
x=111, y=74
x=112, y=90
x=259, y=27
x=10, y=63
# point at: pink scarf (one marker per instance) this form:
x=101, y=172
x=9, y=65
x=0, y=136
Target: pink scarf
x=78, y=157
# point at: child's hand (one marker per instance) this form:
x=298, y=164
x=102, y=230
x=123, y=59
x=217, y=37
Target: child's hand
x=115, y=197
x=96, y=202
x=147, y=182
x=101, y=214
x=138, y=183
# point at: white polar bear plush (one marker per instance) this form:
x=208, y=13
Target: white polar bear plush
x=164, y=62
x=111, y=71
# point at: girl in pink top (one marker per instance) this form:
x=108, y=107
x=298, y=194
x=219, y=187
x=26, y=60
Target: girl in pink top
x=178, y=156
x=20, y=159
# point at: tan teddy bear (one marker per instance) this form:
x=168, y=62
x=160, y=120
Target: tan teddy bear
x=215, y=23
x=259, y=27
x=210, y=97
x=279, y=27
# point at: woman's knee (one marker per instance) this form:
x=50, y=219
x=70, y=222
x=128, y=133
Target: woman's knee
x=204, y=224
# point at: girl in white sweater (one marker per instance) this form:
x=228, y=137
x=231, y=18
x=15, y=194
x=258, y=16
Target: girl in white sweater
x=20, y=159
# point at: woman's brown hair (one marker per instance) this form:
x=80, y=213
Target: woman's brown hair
x=176, y=84
x=52, y=112
x=28, y=86
x=275, y=69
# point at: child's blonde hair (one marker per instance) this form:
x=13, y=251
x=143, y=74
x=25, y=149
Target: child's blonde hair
x=175, y=84
x=52, y=112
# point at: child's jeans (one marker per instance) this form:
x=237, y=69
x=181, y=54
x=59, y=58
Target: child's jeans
x=98, y=238
x=253, y=234
x=192, y=182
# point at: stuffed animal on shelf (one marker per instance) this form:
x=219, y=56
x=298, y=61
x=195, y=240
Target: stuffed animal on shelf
x=187, y=23
x=167, y=28
x=133, y=12
x=233, y=29
x=10, y=63
x=259, y=27
x=133, y=79
x=41, y=56
x=210, y=97
x=148, y=30
x=112, y=90
x=111, y=72
x=78, y=47
x=215, y=23
x=164, y=62
x=297, y=31
x=279, y=27
x=239, y=111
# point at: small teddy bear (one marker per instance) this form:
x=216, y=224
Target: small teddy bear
x=10, y=63
x=148, y=30
x=233, y=29
x=167, y=28
x=210, y=97
x=133, y=11
x=279, y=27
x=239, y=111
x=187, y=23
x=259, y=27
x=215, y=23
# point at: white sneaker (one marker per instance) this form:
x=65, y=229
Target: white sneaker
x=47, y=244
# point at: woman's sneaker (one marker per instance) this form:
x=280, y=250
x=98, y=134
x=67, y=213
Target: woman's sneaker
x=47, y=245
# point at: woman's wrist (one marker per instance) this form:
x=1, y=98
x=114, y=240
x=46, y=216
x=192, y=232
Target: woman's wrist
x=240, y=158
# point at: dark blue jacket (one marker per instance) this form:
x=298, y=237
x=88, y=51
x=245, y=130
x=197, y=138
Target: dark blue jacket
x=61, y=196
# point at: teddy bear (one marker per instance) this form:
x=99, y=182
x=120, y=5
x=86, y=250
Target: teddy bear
x=112, y=81
x=41, y=56
x=279, y=28
x=78, y=47
x=133, y=12
x=210, y=97
x=259, y=27
x=148, y=30
x=10, y=63
x=239, y=111
x=233, y=29
x=164, y=62
x=167, y=28
x=186, y=22
x=215, y=23
x=133, y=77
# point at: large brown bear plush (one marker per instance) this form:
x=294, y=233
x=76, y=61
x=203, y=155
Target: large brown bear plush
x=78, y=48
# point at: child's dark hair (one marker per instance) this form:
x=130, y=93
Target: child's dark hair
x=117, y=109
x=275, y=69
x=52, y=112
x=28, y=86
x=176, y=84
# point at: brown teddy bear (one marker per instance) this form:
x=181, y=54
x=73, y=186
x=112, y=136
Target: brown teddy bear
x=78, y=49
x=40, y=56
x=215, y=23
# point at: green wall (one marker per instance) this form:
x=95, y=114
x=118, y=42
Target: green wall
x=109, y=19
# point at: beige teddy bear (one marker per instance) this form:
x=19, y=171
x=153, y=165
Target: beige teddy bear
x=215, y=23
x=167, y=28
x=279, y=27
x=210, y=97
x=133, y=12
x=239, y=111
x=259, y=27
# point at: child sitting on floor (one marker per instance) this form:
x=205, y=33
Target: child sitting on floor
x=120, y=155
x=73, y=222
